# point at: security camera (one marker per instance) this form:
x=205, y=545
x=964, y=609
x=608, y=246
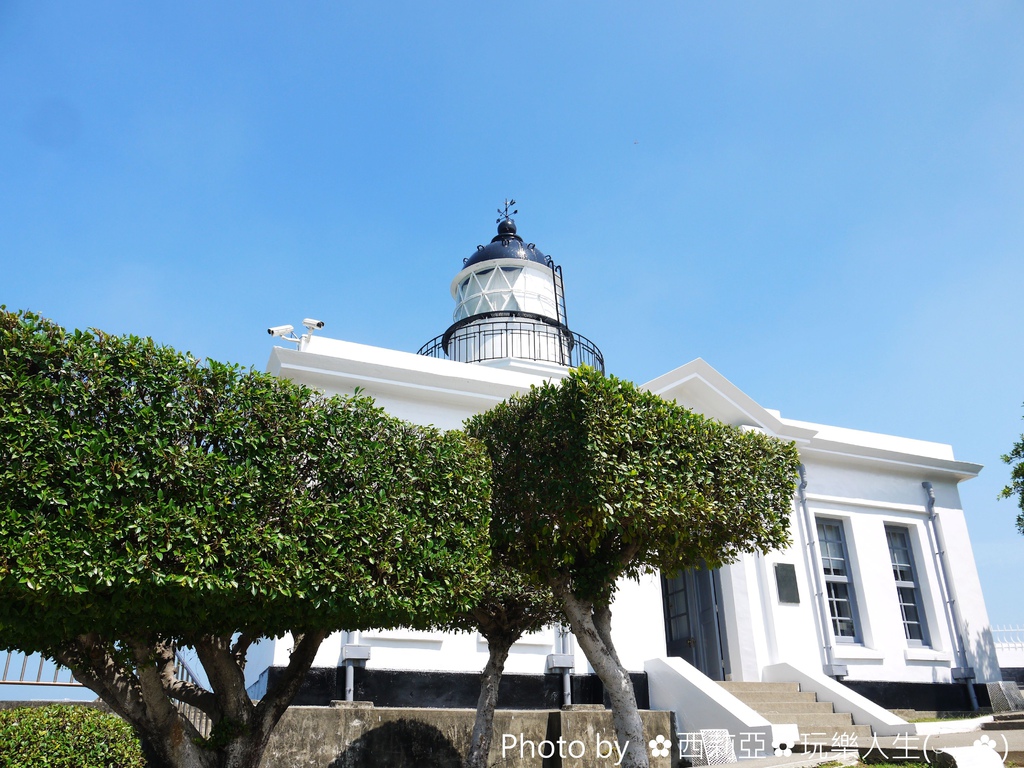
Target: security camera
x=280, y=330
x=312, y=324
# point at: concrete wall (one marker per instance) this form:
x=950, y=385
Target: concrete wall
x=368, y=737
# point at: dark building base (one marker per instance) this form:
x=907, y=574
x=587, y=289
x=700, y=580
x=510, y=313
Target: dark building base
x=460, y=690
x=445, y=690
x=927, y=697
x=1016, y=674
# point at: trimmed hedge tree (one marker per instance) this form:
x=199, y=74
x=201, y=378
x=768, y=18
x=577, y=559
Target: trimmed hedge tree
x=1015, y=458
x=148, y=500
x=67, y=736
x=509, y=607
x=595, y=479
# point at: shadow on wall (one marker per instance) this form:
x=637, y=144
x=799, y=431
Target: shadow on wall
x=983, y=653
x=401, y=744
x=1005, y=696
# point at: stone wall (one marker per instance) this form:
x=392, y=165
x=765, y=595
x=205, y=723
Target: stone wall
x=364, y=736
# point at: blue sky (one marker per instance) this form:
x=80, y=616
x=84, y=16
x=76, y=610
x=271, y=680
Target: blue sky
x=823, y=200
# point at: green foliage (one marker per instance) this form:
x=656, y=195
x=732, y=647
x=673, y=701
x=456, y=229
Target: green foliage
x=1015, y=458
x=65, y=736
x=142, y=491
x=509, y=607
x=594, y=479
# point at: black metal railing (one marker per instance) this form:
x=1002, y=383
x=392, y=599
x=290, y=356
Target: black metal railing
x=502, y=335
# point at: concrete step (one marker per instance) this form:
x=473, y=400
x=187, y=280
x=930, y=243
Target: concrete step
x=797, y=707
x=810, y=722
x=733, y=687
x=1004, y=725
x=1001, y=717
x=819, y=724
x=755, y=698
x=852, y=736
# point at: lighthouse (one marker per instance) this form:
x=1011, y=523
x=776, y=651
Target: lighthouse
x=510, y=309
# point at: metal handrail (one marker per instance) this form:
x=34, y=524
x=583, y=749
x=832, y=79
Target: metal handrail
x=38, y=664
x=496, y=336
x=32, y=665
x=193, y=714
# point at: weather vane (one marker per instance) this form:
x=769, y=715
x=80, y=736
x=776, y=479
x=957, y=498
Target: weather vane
x=504, y=214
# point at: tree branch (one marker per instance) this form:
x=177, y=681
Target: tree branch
x=195, y=695
x=603, y=625
x=151, y=661
x=94, y=667
x=241, y=647
x=276, y=700
x=226, y=678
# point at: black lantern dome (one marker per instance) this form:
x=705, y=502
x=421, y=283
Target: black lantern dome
x=507, y=245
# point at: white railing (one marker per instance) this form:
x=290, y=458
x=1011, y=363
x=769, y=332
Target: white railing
x=34, y=669
x=194, y=715
x=1010, y=638
x=37, y=670
x=1009, y=643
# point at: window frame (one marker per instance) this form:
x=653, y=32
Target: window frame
x=827, y=556
x=913, y=584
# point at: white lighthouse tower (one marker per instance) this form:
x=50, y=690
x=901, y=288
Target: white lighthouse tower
x=510, y=309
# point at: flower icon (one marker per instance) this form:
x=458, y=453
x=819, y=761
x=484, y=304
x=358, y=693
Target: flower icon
x=659, y=746
x=782, y=749
x=985, y=741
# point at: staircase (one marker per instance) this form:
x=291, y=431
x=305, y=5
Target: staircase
x=1005, y=721
x=818, y=721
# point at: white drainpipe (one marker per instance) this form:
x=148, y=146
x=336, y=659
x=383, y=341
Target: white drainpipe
x=831, y=668
x=964, y=672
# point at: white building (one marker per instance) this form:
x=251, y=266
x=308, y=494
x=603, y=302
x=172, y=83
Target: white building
x=879, y=588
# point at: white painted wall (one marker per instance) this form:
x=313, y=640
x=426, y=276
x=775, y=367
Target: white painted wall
x=864, y=480
x=638, y=623
x=1010, y=656
x=866, y=497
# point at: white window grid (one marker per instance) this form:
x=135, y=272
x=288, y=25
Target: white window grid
x=500, y=289
x=908, y=591
x=838, y=584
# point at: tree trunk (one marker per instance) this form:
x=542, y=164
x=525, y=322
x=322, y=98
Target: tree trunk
x=483, y=726
x=171, y=748
x=167, y=740
x=592, y=629
x=139, y=695
x=245, y=751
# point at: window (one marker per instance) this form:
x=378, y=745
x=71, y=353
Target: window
x=835, y=563
x=490, y=290
x=907, y=591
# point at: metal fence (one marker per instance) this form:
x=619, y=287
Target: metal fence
x=501, y=337
x=194, y=715
x=36, y=670
x=1009, y=638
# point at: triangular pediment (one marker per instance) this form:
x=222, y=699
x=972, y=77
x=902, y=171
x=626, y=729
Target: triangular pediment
x=697, y=385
